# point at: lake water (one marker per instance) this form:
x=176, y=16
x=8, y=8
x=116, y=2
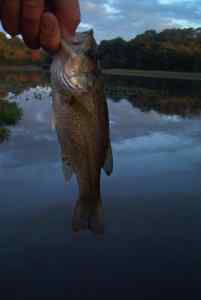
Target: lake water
x=152, y=207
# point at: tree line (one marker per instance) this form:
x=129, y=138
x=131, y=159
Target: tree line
x=168, y=50
x=13, y=51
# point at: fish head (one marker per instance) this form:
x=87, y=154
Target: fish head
x=80, y=62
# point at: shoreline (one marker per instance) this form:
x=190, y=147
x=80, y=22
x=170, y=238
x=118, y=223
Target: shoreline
x=25, y=68
x=116, y=72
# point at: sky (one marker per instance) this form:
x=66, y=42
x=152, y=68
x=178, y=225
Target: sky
x=127, y=18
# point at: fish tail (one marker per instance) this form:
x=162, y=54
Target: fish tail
x=96, y=223
x=88, y=215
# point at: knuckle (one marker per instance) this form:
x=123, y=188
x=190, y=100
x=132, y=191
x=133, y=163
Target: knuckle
x=32, y=9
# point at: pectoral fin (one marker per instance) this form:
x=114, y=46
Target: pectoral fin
x=67, y=171
x=108, y=165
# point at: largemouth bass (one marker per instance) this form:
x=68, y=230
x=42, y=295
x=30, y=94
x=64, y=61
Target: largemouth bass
x=82, y=124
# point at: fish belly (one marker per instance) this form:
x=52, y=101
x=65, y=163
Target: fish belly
x=82, y=127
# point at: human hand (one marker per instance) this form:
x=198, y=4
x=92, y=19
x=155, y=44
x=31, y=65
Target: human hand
x=40, y=22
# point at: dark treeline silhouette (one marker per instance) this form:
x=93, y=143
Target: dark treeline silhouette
x=169, y=50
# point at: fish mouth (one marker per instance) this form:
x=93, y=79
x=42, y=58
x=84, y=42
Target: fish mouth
x=73, y=83
x=75, y=70
x=74, y=77
x=78, y=84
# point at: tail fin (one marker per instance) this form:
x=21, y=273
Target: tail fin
x=88, y=216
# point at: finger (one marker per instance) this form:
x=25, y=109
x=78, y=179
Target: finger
x=68, y=14
x=1, y=1
x=32, y=11
x=10, y=16
x=50, y=32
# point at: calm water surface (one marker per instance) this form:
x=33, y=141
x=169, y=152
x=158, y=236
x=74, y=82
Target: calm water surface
x=152, y=206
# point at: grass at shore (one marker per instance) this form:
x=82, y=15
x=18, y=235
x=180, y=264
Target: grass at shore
x=25, y=68
x=154, y=74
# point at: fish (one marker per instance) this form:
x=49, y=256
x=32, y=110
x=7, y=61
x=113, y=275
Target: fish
x=81, y=120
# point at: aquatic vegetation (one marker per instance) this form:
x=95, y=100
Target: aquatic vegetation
x=4, y=134
x=10, y=113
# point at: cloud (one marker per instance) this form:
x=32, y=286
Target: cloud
x=112, y=18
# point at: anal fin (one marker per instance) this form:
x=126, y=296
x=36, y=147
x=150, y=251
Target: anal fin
x=53, y=121
x=108, y=165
